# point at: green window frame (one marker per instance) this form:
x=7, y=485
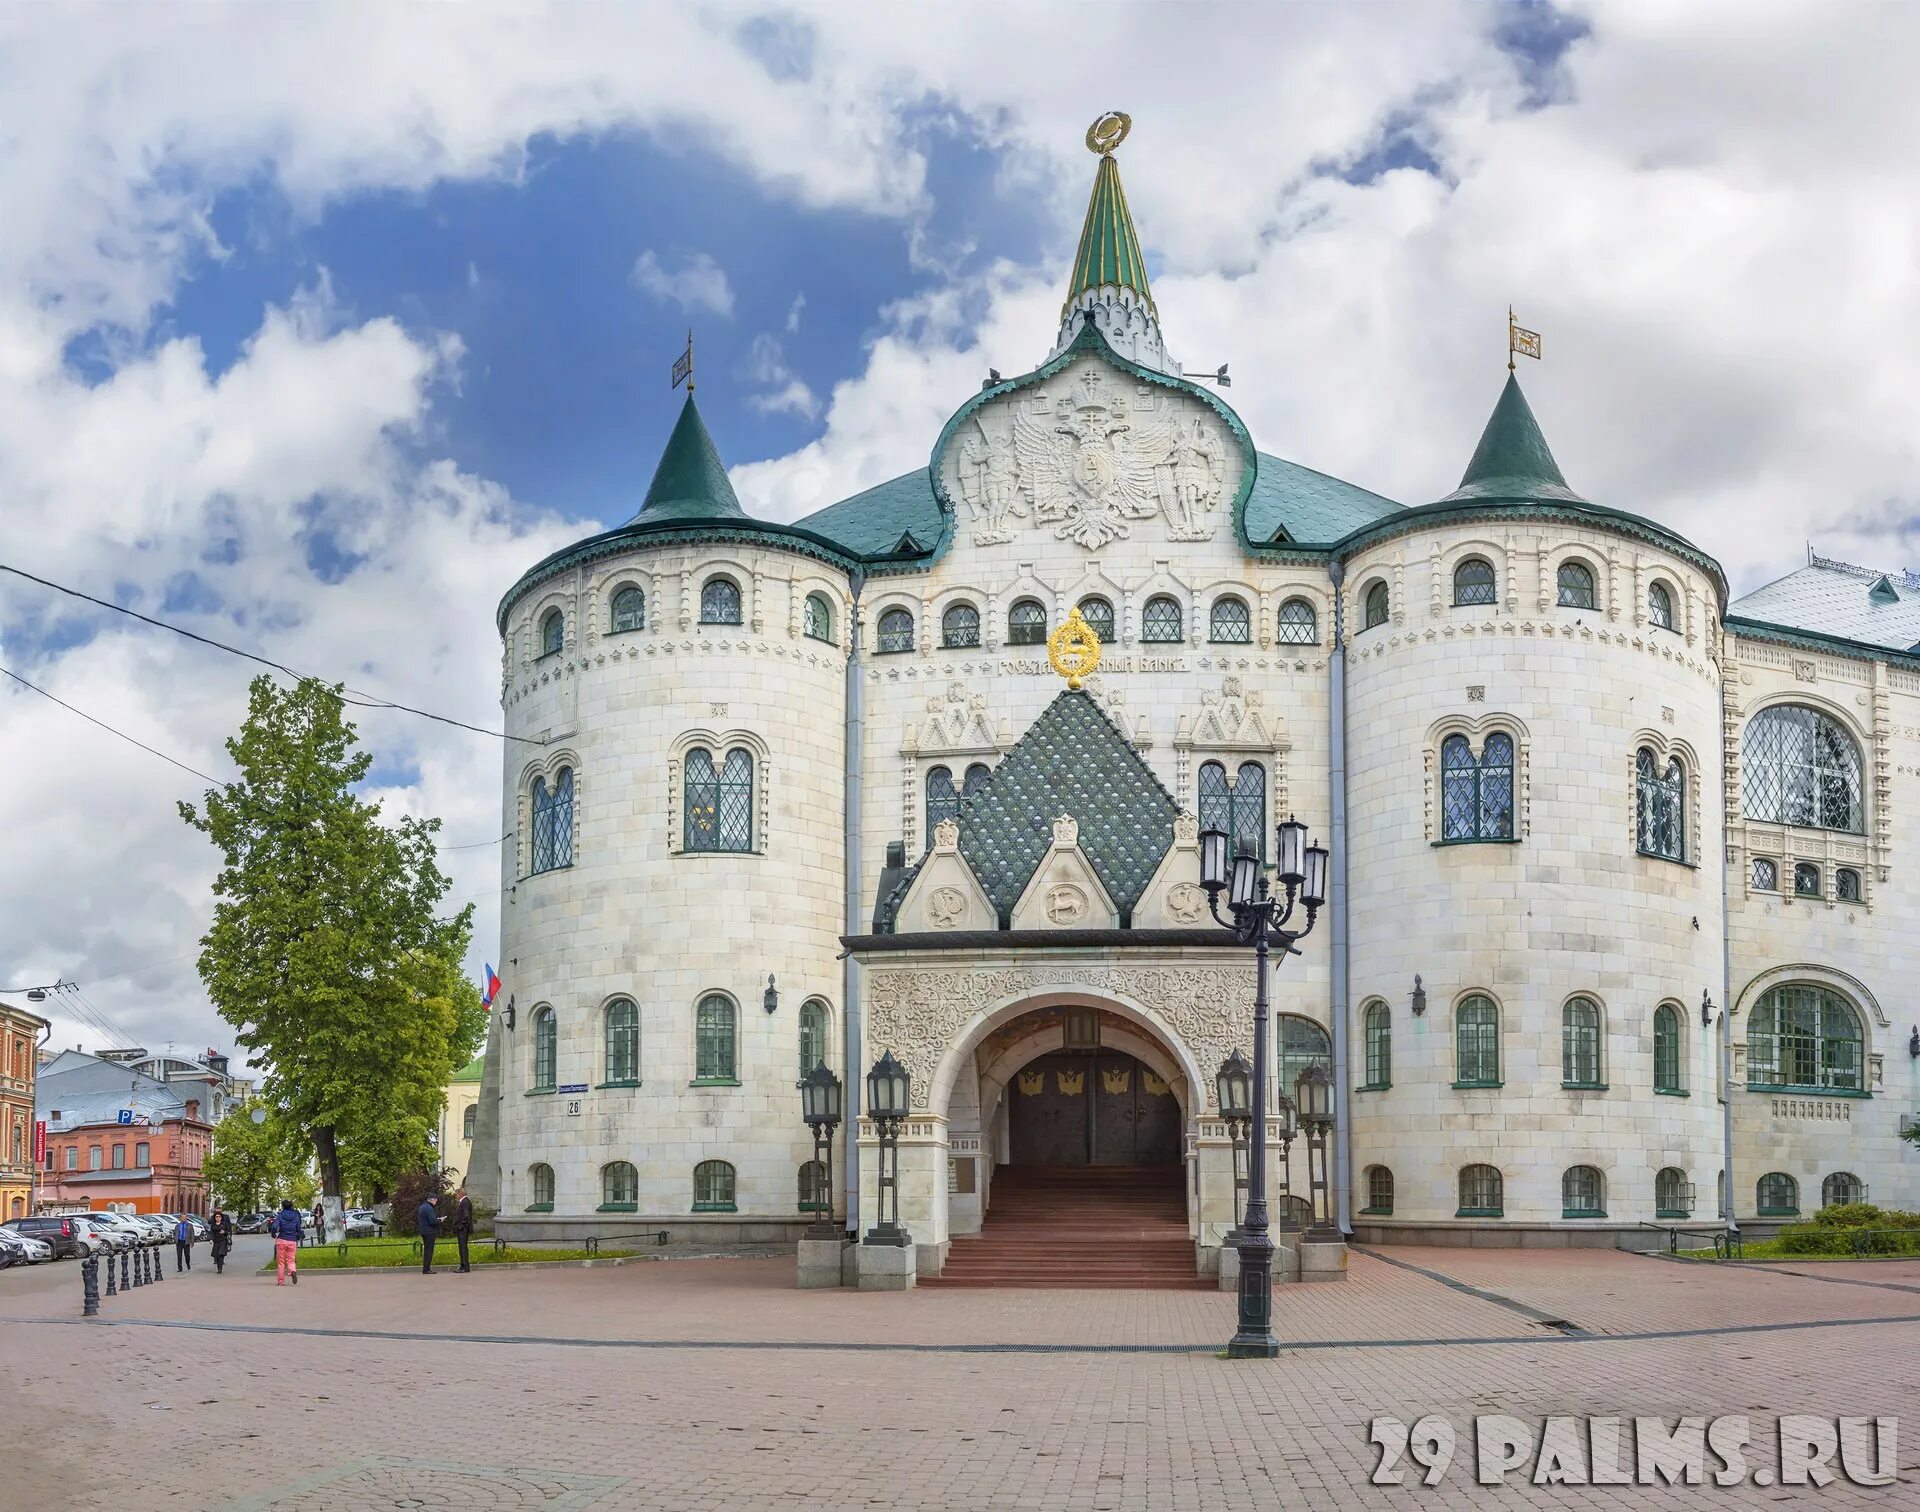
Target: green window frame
x=1482, y=1192
x=1238, y=807
x=1661, y=810
x=1582, y=1044
x=895, y=632
x=1476, y=1042
x=812, y=1184
x=1846, y=885
x=1840, y=1188
x=1660, y=606
x=943, y=800
x=1298, y=624
x=718, y=801
x=546, y=1050
x=814, y=1019
x=1300, y=1043
x=818, y=617
x=619, y=1187
x=1379, y=1192
x=1806, y=1038
x=540, y=1177
x=1379, y=606
x=960, y=627
x=1377, y=1032
x=469, y=1117
x=1473, y=583
x=1575, y=583
x=628, y=611
x=1666, y=1050
x=623, y=1043
x=713, y=1187
x=1777, y=1195
x=1583, y=1193
x=1229, y=623
x=1160, y=622
x=715, y=1032
x=1672, y=1196
x=1476, y=795
x=552, y=848
x=553, y=633
x=1098, y=613
x=1027, y=623
x=720, y=601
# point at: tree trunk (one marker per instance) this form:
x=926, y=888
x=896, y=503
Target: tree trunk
x=328, y=1155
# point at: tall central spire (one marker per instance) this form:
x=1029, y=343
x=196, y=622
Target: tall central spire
x=1108, y=288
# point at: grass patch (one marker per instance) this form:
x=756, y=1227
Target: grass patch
x=1777, y=1249
x=396, y=1254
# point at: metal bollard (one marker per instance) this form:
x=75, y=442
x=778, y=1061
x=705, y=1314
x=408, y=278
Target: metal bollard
x=139, y=1268
x=90, y=1287
x=109, y=1276
x=158, y=1268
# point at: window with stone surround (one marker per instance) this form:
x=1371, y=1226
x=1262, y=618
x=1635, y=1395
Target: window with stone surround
x=1581, y=1062
x=1229, y=623
x=1480, y=1192
x=718, y=801
x=1777, y=1195
x=1027, y=623
x=142, y=1155
x=720, y=601
x=1582, y=1193
x=895, y=632
x=468, y=1118
x=619, y=1187
x=713, y=1187
x=1473, y=582
x=1098, y=613
x=540, y=1179
x=96, y=1158
x=960, y=627
x=1476, y=793
x=813, y=1187
x=714, y=1059
x=1239, y=807
x=1841, y=1188
x=1378, y=1035
x=815, y=1047
x=1378, y=606
x=1298, y=625
x=943, y=801
x=1766, y=874
x=629, y=611
x=817, y=618
x=552, y=805
x=1476, y=1042
x=1661, y=804
x=623, y=1043
x=1799, y=766
x=1575, y=582
x=1846, y=885
x=977, y=774
x=553, y=632
x=546, y=1049
x=1301, y=1043
x=1667, y=1059
x=119, y=1157
x=1806, y=880
x=1160, y=622
x=1379, y=1192
x=1660, y=606
x=1805, y=1038
x=1672, y=1193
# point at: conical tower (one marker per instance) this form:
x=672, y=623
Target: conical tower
x=1512, y=463
x=1108, y=288
x=691, y=481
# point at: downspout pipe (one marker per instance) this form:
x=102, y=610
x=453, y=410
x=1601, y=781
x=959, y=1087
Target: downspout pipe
x=1726, y=973
x=850, y=844
x=1339, y=934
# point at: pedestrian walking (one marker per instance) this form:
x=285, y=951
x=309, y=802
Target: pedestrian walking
x=286, y=1242
x=220, y=1231
x=462, y=1225
x=428, y=1219
x=319, y=1224
x=182, y=1246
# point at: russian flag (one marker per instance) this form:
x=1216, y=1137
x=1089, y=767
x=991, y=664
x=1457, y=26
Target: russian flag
x=492, y=990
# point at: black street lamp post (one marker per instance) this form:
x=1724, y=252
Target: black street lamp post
x=1260, y=920
x=820, y=1103
x=887, y=1088
x=1235, y=1087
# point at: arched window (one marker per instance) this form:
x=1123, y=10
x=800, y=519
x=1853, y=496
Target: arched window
x=540, y=1179
x=1098, y=613
x=1800, y=767
x=1480, y=1192
x=1660, y=606
x=623, y=1043
x=1302, y=1043
x=814, y=1049
x=1807, y=1038
x=1846, y=885
x=1580, y=1043
x=813, y=1187
x=1666, y=1049
x=1298, y=624
x=942, y=801
x=1160, y=621
x=553, y=822
x=1672, y=1193
x=1379, y=1191
x=719, y=801
x=896, y=632
x=1379, y=1043
x=553, y=633
x=1841, y=1188
x=1378, y=606
x=1778, y=1195
x=1229, y=623
x=619, y=1187
x=1027, y=623
x=1661, y=811
x=1473, y=582
x=1294, y=1212
x=720, y=601
x=713, y=1187
x=1576, y=585
x=1806, y=880
x=818, y=617
x=977, y=775
x=1582, y=1194
x=546, y=1049
x=713, y=1040
x=1238, y=807
x=629, y=611
x=1476, y=1043
x=959, y=626
x=1766, y=875
x=468, y=1117
x=1476, y=797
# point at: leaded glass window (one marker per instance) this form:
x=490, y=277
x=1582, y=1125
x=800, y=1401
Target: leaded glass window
x=713, y=1039
x=1476, y=1042
x=1662, y=794
x=1766, y=875
x=546, y=1050
x=1806, y=880
x=1666, y=1049
x=1379, y=1190
x=1379, y=1046
x=1298, y=624
x=813, y=1186
x=1799, y=767
x=553, y=633
x=1473, y=582
x=942, y=801
x=720, y=601
x=1229, y=623
x=719, y=801
x=713, y=1187
x=1027, y=623
x=469, y=1117
x=1580, y=1063
x=1480, y=1194
x=553, y=822
x=819, y=617
x=1841, y=1188
x=623, y=1041
x=1160, y=622
x=1671, y=1199
x=1476, y=796
x=1581, y=1193
x=1379, y=606
x=813, y=1034
x=1660, y=606
x=977, y=775
x=1846, y=885
x=1238, y=807
x=1302, y=1043
x=896, y=632
x=1805, y=1037
x=1576, y=585
x=1778, y=1195
x=619, y=1187
x=541, y=1178
x=629, y=610
x=960, y=626
x=1098, y=613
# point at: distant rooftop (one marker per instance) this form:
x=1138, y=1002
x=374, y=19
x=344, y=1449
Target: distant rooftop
x=1826, y=597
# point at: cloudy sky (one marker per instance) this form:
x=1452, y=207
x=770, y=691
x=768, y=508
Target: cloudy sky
x=319, y=323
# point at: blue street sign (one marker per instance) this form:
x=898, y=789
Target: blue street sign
x=126, y=1115
x=574, y=1087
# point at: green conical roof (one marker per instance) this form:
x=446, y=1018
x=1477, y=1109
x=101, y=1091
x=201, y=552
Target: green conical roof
x=691, y=481
x=1512, y=461
x=1109, y=249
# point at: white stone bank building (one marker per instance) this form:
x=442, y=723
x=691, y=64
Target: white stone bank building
x=807, y=792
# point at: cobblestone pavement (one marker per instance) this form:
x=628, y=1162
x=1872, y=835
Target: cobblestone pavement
x=693, y=1384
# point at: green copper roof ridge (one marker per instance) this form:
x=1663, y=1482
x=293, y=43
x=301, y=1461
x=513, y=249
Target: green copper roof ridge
x=1513, y=460
x=691, y=481
x=1109, y=251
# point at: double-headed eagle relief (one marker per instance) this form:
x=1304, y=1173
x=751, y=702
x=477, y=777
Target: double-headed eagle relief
x=1088, y=461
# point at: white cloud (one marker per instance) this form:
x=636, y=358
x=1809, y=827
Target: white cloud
x=779, y=388
x=699, y=283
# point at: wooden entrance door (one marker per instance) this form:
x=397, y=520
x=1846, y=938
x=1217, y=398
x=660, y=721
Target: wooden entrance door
x=1092, y=1108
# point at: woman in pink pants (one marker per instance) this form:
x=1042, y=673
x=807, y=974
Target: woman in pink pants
x=286, y=1242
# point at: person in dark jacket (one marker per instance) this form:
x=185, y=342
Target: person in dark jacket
x=462, y=1225
x=182, y=1246
x=286, y=1242
x=319, y=1224
x=428, y=1219
x=220, y=1231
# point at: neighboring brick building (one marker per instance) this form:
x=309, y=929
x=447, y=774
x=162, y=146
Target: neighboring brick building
x=19, y=1031
x=118, y=1139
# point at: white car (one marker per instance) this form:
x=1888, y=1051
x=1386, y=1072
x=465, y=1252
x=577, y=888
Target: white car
x=93, y=1238
x=28, y=1250
x=135, y=1232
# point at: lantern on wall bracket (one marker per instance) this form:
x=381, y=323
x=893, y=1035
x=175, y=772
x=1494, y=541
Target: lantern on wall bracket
x=1706, y=1007
x=770, y=999
x=1419, y=996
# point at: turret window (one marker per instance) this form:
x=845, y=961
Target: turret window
x=1378, y=607
x=546, y=1046
x=619, y=1187
x=960, y=627
x=813, y=1187
x=1379, y=1192
x=553, y=633
x=1379, y=1048
x=719, y=801
x=1230, y=624
x=1580, y=1043
x=1476, y=1043
x=814, y=1047
x=552, y=848
x=819, y=617
x=1098, y=613
x=1582, y=1193
x=1480, y=1192
x=629, y=611
x=1777, y=1195
x=1160, y=623
x=1841, y=1188
x=1672, y=1193
x=896, y=632
x=1798, y=766
x=1660, y=606
x=1473, y=582
x=1298, y=624
x=623, y=1043
x=1662, y=794
x=720, y=602
x=713, y=1187
x=713, y=1040
x=1476, y=795
x=540, y=1180
x=1666, y=1049
x=1027, y=623
x=1576, y=585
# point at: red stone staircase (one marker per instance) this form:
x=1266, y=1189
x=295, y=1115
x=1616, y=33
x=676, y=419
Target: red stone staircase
x=1104, y=1228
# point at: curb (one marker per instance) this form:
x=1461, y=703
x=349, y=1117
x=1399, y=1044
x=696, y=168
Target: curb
x=491, y=1265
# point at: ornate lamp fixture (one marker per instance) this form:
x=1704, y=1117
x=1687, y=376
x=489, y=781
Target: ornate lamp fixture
x=1314, y=1092
x=1234, y=1084
x=821, y=1102
x=888, y=1086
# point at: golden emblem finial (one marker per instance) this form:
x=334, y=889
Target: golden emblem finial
x=1074, y=649
x=1108, y=132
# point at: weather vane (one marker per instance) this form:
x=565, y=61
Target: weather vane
x=683, y=365
x=1520, y=340
x=1108, y=132
x=1074, y=649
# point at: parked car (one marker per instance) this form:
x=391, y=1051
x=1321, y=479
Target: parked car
x=155, y=1225
x=98, y=1238
x=252, y=1223
x=362, y=1223
x=32, y=1251
x=137, y=1234
x=53, y=1229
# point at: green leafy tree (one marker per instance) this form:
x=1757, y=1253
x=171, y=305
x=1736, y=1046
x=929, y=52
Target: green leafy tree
x=251, y=1166
x=327, y=952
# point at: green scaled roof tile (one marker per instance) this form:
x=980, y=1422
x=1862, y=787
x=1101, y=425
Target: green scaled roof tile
x=1109, y=252
x=1512, y=461
x=691, y=481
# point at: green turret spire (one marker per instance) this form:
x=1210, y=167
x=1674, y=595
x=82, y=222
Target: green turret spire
x=1109, y=255
x=1512, y=461
x=1108, y=290
x=691, y=481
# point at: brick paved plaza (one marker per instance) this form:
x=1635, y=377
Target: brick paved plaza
x=712, y=1383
